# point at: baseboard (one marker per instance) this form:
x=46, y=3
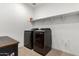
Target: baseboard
x=65, y=51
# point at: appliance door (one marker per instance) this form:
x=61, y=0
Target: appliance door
x=39, y=40
x=28, y=39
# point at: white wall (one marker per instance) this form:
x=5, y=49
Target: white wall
x=52, y=9
x=65, y=32
x=14, y=20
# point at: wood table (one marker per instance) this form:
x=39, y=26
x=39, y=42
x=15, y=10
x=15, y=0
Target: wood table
x=8, y=46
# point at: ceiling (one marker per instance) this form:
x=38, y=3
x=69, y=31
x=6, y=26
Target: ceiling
x=34, y=4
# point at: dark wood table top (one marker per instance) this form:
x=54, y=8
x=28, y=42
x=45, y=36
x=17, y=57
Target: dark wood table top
x=5, y=41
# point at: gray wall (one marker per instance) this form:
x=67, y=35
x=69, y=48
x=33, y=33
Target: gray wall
x=14, y=20
x=65, y=32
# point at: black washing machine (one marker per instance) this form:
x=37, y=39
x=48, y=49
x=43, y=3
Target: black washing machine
x=42, y=41
x=28, y=38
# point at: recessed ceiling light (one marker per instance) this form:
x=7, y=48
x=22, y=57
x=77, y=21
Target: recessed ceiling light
x=33, y=3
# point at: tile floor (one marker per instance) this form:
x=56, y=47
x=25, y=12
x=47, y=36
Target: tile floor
x=27, y=52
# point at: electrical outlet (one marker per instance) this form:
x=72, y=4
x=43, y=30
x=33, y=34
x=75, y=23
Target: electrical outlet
x=66, y=45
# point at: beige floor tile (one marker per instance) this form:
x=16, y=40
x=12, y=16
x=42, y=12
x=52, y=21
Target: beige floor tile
x=27, y=52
